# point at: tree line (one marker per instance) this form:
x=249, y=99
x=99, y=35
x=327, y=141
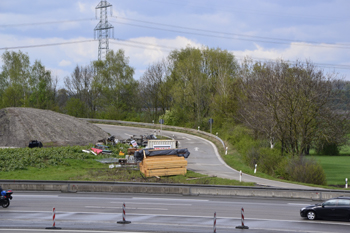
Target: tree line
x=294, y=104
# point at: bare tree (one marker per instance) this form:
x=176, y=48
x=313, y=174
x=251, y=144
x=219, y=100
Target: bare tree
x=294, y=104
x=153, y=88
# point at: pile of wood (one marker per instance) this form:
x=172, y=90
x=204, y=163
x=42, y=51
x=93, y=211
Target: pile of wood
x=163, y=165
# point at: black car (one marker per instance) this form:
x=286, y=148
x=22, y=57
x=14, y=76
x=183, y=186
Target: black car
x=336, y=208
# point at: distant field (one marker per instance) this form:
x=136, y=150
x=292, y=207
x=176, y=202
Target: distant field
x=337, y=168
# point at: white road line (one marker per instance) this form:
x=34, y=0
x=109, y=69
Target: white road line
x=151, y=204
x=168, y=199
x=62, y=230
x=34, y=195
x=303, y=204
x=128, y=208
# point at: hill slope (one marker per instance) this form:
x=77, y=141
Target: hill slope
x=20, y=125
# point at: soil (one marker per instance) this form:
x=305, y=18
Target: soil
x=18, y=126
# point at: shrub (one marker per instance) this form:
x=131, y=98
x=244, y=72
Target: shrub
x=328, y=149
x=269, y=160
x=305, y=170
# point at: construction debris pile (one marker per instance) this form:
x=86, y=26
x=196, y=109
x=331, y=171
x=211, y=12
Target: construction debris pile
x=162, y=162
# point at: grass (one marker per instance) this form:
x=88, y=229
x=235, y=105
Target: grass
x=91, y=170
x=335, y=167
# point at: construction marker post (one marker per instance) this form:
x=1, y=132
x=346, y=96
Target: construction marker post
x=53, y=219
x=240, y=176
x=346, y=183
x=124, y=216
x=242, y=226
x=215, y=222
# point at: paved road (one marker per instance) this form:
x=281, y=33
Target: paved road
x=156, y=213
x=204, y=156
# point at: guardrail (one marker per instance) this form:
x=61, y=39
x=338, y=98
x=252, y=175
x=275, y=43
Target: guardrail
x=153, y=125
x=180, y=189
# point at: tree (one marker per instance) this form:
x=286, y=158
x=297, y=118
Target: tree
x=115, y=85
x=40, y=87
x=202, y=82
x=14, y=78
x=291, y=103
x=23, y=85
x=79, y=86
x=153, y=89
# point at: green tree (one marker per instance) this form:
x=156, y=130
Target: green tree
x=23, y=85
x=14, y=78
x=115, y=85
x=203, y=84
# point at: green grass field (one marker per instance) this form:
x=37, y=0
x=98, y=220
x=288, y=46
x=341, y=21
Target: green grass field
x=337, y=168
x=70, y=163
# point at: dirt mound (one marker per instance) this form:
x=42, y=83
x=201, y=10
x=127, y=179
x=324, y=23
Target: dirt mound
x=20, y=125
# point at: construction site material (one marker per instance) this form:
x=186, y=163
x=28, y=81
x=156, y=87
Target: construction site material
x=97, y=151
x=163, y=164
x=131, y=151
x=161, y=144
x=139, y=155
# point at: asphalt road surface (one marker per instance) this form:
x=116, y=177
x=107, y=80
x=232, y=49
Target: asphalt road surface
x=204, y=157
x=99, y=212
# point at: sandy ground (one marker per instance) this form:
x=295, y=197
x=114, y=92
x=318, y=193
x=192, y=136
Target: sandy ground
x=20, y=125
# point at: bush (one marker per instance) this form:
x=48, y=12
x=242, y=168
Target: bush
x=305, y=170
x=269, y=160
x=328, y=149
x=243, y=141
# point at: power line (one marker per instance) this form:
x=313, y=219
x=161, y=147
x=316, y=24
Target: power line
x=143, y=45
x=234, y=38
x=224, y=33
x=45, y=45
x=43, y=23
x=255, y=12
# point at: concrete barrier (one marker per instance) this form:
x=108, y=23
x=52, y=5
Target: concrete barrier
x=179, y=189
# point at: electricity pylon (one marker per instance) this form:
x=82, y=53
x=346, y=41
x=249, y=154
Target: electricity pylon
x=103, y=29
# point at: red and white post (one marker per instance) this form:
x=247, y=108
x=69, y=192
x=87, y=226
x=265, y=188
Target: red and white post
x=124, y=217
x=215, y=222
x=242, y=226
x=53, y=220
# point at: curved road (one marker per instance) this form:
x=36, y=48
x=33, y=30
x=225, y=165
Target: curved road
x=204, y=156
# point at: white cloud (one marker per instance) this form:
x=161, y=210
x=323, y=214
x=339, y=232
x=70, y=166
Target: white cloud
x=64, y=63
x=82, y=7
x=317, y=53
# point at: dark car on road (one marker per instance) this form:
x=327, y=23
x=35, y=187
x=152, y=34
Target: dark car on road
x=336, y=208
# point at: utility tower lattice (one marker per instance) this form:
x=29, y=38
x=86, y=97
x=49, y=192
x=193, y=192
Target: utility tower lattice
x=103, y=29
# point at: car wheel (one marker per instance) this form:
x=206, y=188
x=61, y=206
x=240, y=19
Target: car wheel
x=311, y=215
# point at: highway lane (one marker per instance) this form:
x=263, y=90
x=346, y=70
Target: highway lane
x=204, y=157
x=158, y=213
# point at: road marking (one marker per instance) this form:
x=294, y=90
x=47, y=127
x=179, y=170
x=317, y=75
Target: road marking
x=34, y=195
x=303, y=204
x=62, y=230
x=128, y=208
x=145, y=198
x=196, y=149
x=152, y=204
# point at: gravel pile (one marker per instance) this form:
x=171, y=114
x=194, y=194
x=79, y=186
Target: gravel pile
x=18, y=126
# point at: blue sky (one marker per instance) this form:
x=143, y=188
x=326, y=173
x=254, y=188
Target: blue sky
x=316, y=30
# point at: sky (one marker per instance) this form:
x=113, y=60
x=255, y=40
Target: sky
x=148, y=30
